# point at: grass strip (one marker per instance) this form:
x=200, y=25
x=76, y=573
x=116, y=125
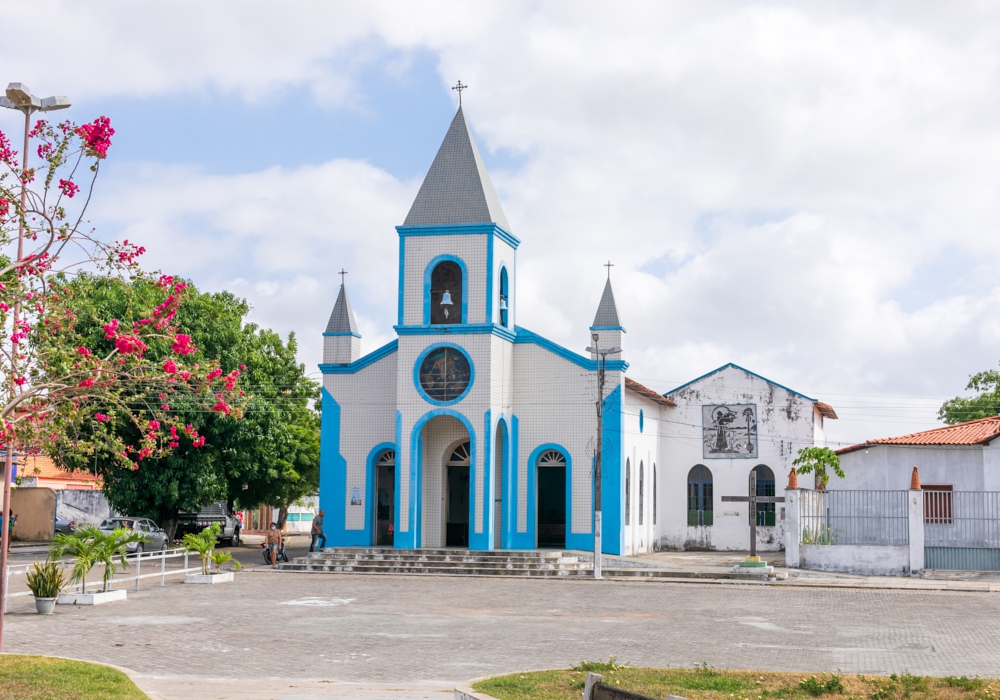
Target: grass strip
x=45, y=678
x=706, y=683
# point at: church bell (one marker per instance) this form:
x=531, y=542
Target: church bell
x=446, y=298
x=503, y=303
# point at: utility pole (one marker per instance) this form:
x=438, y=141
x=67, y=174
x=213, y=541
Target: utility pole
x=18, y=97
x=602, y=354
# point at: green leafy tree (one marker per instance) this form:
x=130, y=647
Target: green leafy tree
x=986, y=403
x=821, y=460
x=270, y=455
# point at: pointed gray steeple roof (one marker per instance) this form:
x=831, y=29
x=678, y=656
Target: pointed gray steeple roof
x=457, y=189
x=342, y=318
x=607, y=310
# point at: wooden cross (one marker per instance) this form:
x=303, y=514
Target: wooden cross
x=609, y=265
x=460, y=87
x=342, y=273
x=753, y=499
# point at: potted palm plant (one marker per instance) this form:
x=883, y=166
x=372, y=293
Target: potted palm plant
x=203, y=544
x=46, y=582
x=90, y=546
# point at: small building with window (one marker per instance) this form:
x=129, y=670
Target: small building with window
x=961, y=457
x=470, y=431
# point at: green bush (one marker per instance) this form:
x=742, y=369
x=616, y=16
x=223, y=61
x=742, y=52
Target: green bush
x=816, y=687
x=963, y=682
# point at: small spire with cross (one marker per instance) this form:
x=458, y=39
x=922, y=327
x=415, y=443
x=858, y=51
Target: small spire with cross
x=342, y=273
x=609, y=265
x=460, y=87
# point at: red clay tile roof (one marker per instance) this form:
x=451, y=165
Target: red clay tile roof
x=826, y=410
x=638, y=388
x=975, y=432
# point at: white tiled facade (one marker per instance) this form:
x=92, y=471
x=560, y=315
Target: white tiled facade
x=526, y=397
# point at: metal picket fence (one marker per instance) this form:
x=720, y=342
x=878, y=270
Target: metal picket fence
x=962, y=530
x=877, y=518
x=156, y=560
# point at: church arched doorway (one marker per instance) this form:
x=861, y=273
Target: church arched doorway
x=385, y=498
x=457, y=496
x=551, y=506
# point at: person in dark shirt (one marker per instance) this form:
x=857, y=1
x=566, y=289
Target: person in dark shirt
x=317, y=532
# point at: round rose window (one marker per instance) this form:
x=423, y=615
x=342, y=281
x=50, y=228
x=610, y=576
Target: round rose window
x=444, y=374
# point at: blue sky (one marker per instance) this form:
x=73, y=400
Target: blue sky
x=806, y=192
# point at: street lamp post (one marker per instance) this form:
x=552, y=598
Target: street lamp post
x=18, y=97
x=602, y=353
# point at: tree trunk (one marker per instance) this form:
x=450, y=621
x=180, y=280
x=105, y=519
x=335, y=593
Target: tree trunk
x=282, y=516
x=169, y=525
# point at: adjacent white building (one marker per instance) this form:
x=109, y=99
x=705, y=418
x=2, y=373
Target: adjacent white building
x=468, y=430
x=962, y=457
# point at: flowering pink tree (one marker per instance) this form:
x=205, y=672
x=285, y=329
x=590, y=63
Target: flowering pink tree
x=61, y=394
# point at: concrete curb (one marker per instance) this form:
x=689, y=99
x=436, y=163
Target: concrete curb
x=464, y=691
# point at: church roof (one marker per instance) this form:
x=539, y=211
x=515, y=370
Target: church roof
x=825, y=410
x=457, y=189
x=607, y=311
x=342, y=318
x=636, y=387
x=974, y=432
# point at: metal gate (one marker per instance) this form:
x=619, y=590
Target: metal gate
x=962, y=530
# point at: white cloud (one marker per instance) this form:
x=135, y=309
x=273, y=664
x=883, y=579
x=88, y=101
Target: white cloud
x=788, y=172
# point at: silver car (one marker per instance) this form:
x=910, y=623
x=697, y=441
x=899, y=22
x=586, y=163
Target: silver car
x=155, y=540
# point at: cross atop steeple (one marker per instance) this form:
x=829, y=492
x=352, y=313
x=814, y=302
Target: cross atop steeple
x=460, y=87
x=342, y=273
x=609, y=265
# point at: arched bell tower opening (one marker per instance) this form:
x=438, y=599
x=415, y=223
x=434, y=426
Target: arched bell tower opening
x=446, y=293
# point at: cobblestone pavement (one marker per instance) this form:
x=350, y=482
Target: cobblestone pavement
x=388, y=629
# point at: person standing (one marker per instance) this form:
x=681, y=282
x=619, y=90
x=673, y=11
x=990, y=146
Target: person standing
x=317, y=532
x=274, y=542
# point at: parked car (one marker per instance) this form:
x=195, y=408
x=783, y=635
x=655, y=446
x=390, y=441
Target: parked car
x=64, y=526
x=229, y=533
x=155, y=540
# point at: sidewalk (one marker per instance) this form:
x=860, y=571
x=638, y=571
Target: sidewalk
x=704, y=564
x=200, y=688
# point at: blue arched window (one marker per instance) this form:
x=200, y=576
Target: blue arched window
x=765, y=487
x=504, y=303
x=446, y=287
x=700, y=508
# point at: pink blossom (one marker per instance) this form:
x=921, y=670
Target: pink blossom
x=198, y=442
x=20, y=380
x=182, y=344
x=97, y=137
x=213, y=374
x=130, y=345
x=101, y=418
x=68, y=188
x=175, y=444
x=111, y=329
x=86, y=383
x=154, y=425
x=170, y=367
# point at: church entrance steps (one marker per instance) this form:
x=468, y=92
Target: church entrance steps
x=461, y=562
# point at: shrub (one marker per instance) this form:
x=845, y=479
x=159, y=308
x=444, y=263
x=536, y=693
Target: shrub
x=963, y=682
x=816, y=687
x=46, y=580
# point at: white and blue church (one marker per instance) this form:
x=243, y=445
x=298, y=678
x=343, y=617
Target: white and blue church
x=470, y=431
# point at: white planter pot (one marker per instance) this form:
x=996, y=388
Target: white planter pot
x=209, y=578
x=45, y=606
x=91, y=598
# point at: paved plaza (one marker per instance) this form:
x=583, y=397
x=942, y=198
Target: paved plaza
x=430, y=632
